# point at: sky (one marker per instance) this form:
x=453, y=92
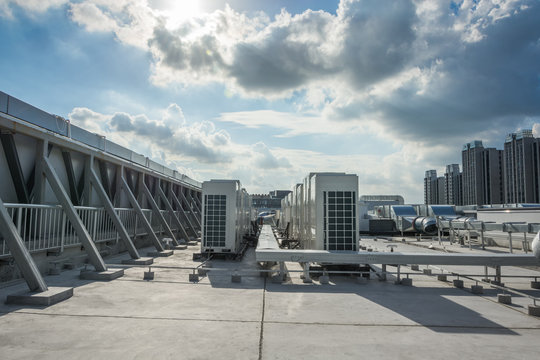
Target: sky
x=268, y=91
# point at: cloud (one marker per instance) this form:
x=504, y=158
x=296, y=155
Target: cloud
x=265, y=159
x=169, y=136
x=31, y=6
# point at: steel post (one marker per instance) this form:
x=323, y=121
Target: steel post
x=169, y=208
x=20, y=253
x=157, y=212
x=109, y=208
x=181, y=209
x=135, y=205
x=82, y=233
x=197, y=220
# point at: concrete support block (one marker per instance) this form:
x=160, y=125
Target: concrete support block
x=535, y=284
x=534, y=310
x=442, y=277
x=504, y=298
x=477, y=289
x=427, y=271
x=163, y=253
x=406, y=282
x=180, y=247
x=46, y=298
x=458, y=283
x=106, y=275
x=324, y=279
x=235, y=278
x=193, y=277
x=148, y=275
x=139, y=261
x=414, y=267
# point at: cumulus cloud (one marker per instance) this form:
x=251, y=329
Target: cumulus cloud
x=172, y=141
x=170, y=135
x=411, y=68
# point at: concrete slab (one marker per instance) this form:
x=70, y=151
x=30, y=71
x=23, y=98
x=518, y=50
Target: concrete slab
x=139, y=261
x=46, y=298
x=215, y=318
x=180, y=247
x=164, y=253
x=106, y=275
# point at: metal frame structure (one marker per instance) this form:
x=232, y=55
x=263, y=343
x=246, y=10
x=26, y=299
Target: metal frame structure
x=80, y=168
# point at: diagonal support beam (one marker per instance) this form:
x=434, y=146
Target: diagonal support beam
x=184, y=215
x=105, y=177
x=135, y=205
x=157, y=212
x=73, y=190
x=83, y=235
x=169, y=208
x=14, y=165
x=20, y=253
x=197, y=221
x=109, y=208
x=198, y=201
x=194, y=202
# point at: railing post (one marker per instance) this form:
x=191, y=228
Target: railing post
x=135, y=226
x=63, y=235
x=95, y=226
x=19, y=219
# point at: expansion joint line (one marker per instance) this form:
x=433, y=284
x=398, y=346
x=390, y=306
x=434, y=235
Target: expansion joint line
x=262, y=321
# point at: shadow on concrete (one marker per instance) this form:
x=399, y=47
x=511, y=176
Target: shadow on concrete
x=426, y=306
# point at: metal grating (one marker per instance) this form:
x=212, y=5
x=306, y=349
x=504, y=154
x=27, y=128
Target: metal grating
x=339, y=220
x=214, y=220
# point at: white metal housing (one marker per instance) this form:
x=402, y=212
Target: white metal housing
x=323, y=212
x=226, y=208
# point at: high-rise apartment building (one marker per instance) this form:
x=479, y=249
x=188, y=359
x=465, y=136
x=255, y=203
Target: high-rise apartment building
x=453, y=193
x=520, y=164
x=482, y=174
x=440, y=190
x=430, y=187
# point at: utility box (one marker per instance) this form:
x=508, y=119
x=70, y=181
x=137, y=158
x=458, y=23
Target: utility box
x=330, y=214
x=226, y=208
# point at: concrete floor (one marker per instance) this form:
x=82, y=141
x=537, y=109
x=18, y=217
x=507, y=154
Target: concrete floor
x=169, y=317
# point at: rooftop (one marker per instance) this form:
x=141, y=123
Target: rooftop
x=170, y=317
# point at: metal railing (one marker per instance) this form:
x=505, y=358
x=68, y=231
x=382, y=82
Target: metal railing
x=46, y=227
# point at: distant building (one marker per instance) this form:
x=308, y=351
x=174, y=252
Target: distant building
x=520, y=164
x=270, y=201
x=440, y=198
x=430, y=187
x=482, y=174
x=453, y=182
